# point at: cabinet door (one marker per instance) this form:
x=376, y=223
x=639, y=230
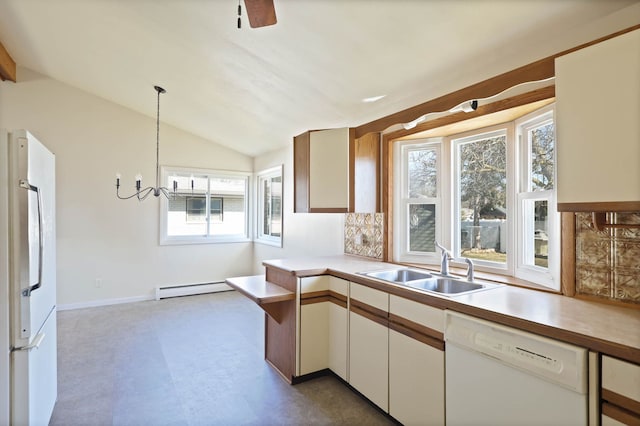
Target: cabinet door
x=369, y=359
x=314, y=337
x=416, y=381
x=597, y=126
x=416, y=362
x=369, y=343
x=338, y=343
x=329, y=169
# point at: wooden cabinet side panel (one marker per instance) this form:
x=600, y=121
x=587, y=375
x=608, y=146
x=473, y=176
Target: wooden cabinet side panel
x=301, y=173
x=365, y=194
x=280, y=338
x=416, y=381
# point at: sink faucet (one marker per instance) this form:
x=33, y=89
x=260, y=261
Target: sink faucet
x=446, y=257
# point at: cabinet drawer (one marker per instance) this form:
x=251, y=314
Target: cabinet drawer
x=313, y=284
x=376, y=298
x=425, y=315
x=621, y=377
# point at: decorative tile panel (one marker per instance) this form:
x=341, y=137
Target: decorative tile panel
x=608, y=262
x=364, y=234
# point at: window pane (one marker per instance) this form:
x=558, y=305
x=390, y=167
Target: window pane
x=187, y=210
x=537, y=233
x=482, y=177
x=232, y=192
x=423, y=173
x=422, y=227
x=272, y=209
x=542, y=157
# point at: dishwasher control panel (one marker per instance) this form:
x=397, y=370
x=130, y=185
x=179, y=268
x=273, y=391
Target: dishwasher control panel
x=549, y=359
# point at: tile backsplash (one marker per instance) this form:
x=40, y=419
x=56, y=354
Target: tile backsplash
x=608, y=261
x=364, y=234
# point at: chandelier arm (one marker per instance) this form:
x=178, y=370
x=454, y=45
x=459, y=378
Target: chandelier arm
x=145, y=193
x=135, y=194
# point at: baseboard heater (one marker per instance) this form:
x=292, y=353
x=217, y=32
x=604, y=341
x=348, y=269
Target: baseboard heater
x=190, y=289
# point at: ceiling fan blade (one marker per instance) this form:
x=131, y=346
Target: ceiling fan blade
x=261, y=13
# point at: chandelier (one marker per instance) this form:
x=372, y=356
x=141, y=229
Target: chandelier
x=142, y=193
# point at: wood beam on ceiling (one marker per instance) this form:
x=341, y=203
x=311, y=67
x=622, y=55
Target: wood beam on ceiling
x=7, y=65
x=535, y=71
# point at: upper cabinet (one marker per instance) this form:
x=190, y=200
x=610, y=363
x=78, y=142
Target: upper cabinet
x=336, y=173
x=598, y=126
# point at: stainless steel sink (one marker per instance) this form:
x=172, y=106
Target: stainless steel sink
x=446, y=285
x=399, y=275
x=430, y=282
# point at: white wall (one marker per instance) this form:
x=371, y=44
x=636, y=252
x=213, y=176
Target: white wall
x=304, y=234
x=99, y=236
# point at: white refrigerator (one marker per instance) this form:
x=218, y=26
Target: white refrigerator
x=28, y=358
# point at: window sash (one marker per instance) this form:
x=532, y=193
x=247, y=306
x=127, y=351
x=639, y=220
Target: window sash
x=209, y=186
x=269, y=206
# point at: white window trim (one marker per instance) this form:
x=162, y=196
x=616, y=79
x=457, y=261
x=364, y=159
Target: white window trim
x=260, y=237
x=401, y=203
x=454, y=243
x=448, y=229
x=550, y=276
x=165, y=239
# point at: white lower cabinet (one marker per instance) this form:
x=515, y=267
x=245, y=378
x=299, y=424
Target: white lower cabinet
x=416, y=363
x=322, y=334
x=620, y=392
x=369, y=344
x=338, y=340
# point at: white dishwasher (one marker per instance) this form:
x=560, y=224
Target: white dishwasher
x=496, y=375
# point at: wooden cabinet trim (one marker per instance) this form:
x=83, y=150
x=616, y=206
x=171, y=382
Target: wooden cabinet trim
x=620, y=400
x=323, y=296
x=415, y=334
x=301, y=151
x=620, y=414
x=606, y=206
x=414, y=326
x=371, y=313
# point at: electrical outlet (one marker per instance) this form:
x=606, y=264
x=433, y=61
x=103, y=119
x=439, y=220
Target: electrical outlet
x=98, y=282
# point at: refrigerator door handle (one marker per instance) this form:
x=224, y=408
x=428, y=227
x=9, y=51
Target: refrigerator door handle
x=27, y=291
x=33, y=345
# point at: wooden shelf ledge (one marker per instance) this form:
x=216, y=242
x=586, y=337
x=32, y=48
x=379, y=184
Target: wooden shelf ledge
x=269, y=296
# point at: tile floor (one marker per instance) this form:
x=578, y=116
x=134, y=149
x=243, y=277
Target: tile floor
x=194, y=360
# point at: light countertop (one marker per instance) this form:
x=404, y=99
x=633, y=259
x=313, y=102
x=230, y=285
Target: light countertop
x=598, y=326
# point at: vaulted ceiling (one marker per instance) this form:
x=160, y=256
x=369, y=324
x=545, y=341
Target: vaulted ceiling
x=254, y=89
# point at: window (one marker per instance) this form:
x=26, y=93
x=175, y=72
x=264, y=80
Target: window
x=419, y=202
x=480, y=198
x=487, y=195
x=209, y=207
x=539, y=227
x=269, y=211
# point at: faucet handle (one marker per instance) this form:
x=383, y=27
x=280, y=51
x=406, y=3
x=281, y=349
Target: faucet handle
x=469, y=262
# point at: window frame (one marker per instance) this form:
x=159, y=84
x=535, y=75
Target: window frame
x=550, y=276
x=262, y=176
x=165, y=239
x=403, y=202
x=516, y=198
x=454, y=243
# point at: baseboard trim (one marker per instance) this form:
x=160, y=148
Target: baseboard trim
x=190, y=289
